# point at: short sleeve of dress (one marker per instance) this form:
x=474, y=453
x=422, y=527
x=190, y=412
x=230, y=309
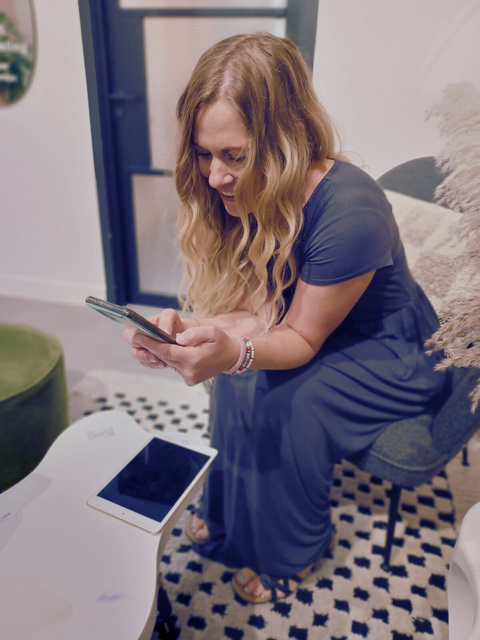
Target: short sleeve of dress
x=347, y=232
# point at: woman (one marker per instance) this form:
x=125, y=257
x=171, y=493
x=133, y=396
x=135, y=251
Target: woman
x=302, y=298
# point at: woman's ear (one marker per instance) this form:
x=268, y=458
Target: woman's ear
x=301, y=128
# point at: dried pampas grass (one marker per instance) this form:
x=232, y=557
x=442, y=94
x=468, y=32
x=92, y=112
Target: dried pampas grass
x=458, y=113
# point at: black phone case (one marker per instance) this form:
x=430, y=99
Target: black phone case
x=129, y=317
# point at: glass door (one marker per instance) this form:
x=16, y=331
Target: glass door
x=172, y=47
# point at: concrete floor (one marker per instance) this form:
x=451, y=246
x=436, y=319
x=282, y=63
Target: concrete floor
x=89, y=340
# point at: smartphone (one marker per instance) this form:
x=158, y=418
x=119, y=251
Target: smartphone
x=129, y=317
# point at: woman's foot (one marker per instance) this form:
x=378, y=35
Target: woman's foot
x=251, y=587
x=197, y=530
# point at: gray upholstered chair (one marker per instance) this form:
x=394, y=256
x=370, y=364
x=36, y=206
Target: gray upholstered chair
x=411, y=452
x=417, y=178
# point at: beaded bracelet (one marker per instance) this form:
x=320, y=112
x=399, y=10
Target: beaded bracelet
x=249, y=355
x=245, y=360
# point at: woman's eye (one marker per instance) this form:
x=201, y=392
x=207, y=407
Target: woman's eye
x=238, y=159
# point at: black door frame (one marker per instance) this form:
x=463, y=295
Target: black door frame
x=106, y=98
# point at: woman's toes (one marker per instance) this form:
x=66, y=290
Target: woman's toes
x=259, y=590
x=202, y=532
x=197, y=529
x=244, y=577
x=249, y=581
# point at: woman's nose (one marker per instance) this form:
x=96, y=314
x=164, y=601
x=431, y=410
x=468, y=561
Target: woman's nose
x=219, y=175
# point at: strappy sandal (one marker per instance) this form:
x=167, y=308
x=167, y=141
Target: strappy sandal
x=272, y=583
x=269, y=583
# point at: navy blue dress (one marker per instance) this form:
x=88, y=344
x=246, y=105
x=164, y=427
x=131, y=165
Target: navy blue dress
x=279, y=433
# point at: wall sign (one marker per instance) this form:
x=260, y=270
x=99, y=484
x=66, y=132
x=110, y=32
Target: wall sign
x=17, y=49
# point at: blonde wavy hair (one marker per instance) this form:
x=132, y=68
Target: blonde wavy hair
x=232, y=260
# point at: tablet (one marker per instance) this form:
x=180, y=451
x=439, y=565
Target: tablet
x=152, y=486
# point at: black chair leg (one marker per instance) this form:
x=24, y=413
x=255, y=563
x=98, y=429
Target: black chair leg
x=392, y=519
x=465, y=462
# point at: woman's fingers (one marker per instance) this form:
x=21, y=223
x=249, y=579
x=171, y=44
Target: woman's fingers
x=168, y=321
x=194, y=336
x=202, y=352
x=151, y=353
x=157, y=348
x=129, y=334
x=208, y=351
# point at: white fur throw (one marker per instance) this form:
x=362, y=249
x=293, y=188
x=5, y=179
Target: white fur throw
x=433, y=254
x=458, y=114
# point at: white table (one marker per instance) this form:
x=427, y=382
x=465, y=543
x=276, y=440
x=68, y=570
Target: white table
x=67, y=571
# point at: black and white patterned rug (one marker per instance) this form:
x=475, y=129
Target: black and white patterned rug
x=349, y=596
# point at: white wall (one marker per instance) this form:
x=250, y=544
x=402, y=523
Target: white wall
x=50, y=243
x=380, y=65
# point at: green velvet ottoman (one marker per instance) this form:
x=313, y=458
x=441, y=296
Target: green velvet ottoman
x=33, y=399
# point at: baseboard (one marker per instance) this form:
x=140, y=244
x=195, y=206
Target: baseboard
x=49, y=290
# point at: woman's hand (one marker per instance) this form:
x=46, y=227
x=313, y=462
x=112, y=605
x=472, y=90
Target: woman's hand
x=168, y=321
x=201, y=352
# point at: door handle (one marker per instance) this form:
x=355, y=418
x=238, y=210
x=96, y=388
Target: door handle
x=121, y=96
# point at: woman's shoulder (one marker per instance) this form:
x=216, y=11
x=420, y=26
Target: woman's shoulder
x=348, y=227
x=345, y=187
x=345, y=174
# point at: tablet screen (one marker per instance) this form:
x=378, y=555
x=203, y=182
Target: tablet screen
x=152, y=482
